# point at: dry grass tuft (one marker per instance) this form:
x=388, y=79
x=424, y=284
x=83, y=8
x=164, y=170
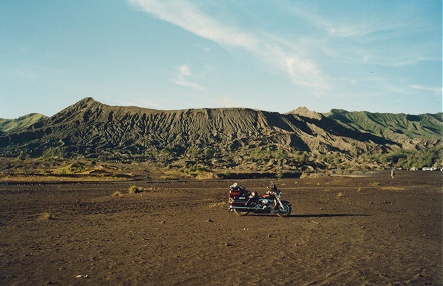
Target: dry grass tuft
x=206, y=176
x=340, y=195
x=398, y=189
x=50, y=178
x=46, y=216
x=117, y=194
x=134, y=189
x=217, y=205
x=152, y=189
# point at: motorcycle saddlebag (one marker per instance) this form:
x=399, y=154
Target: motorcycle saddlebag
x=238, y=195
x=238, y=191
x=239, y=202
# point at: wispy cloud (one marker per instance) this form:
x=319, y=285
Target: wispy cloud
x=190, y=18
x=304, y=72
x=279, y=53
x=372, y=40
x=184, y=72
x=356, y=25
x=437, y=90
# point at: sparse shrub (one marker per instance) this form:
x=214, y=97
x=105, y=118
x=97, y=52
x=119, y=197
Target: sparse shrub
x=46, y=216
x=393, y=189
x=52, y=152
x=410, y=158
x=117, y=194
x=195, y=169
x=134, y=189
x=375, y=184
x=217, y=205
x=206, y=176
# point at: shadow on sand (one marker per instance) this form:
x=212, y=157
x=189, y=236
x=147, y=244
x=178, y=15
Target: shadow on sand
x=326, y=215
x=309, y=215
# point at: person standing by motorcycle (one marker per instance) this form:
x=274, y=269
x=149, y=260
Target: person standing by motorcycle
x=272, y=188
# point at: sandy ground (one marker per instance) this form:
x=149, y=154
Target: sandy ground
x=368, y=230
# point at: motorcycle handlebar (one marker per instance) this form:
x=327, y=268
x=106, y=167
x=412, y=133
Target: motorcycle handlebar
x=276, y=192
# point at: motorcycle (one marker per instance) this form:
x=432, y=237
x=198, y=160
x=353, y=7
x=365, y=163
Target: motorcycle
x=241, y=201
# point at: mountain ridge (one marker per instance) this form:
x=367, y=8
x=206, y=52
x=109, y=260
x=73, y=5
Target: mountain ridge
x=216, y=137
x=21, y=122
x=394, y=126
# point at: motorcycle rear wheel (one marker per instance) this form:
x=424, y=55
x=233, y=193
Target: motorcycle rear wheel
x=241, y=212
x=285, y=212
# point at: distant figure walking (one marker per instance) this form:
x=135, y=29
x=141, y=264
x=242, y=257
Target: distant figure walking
x=392, y=173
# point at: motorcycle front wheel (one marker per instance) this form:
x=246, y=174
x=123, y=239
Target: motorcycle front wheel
x=285, y=212
x=241, y=212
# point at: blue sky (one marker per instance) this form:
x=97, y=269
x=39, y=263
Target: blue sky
x=372, y=55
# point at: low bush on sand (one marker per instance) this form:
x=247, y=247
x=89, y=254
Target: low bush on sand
x=134, y=189
x=117, y=194
x=45, y=216
x=217, y=205
x=393, y=189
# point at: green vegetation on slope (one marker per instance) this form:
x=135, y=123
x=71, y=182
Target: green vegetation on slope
x=391, y=126
x=407, y=159
x=21, y=122
x=194, y=141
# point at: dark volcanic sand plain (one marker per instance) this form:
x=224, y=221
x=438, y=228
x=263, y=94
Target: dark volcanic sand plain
x=368, y=230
